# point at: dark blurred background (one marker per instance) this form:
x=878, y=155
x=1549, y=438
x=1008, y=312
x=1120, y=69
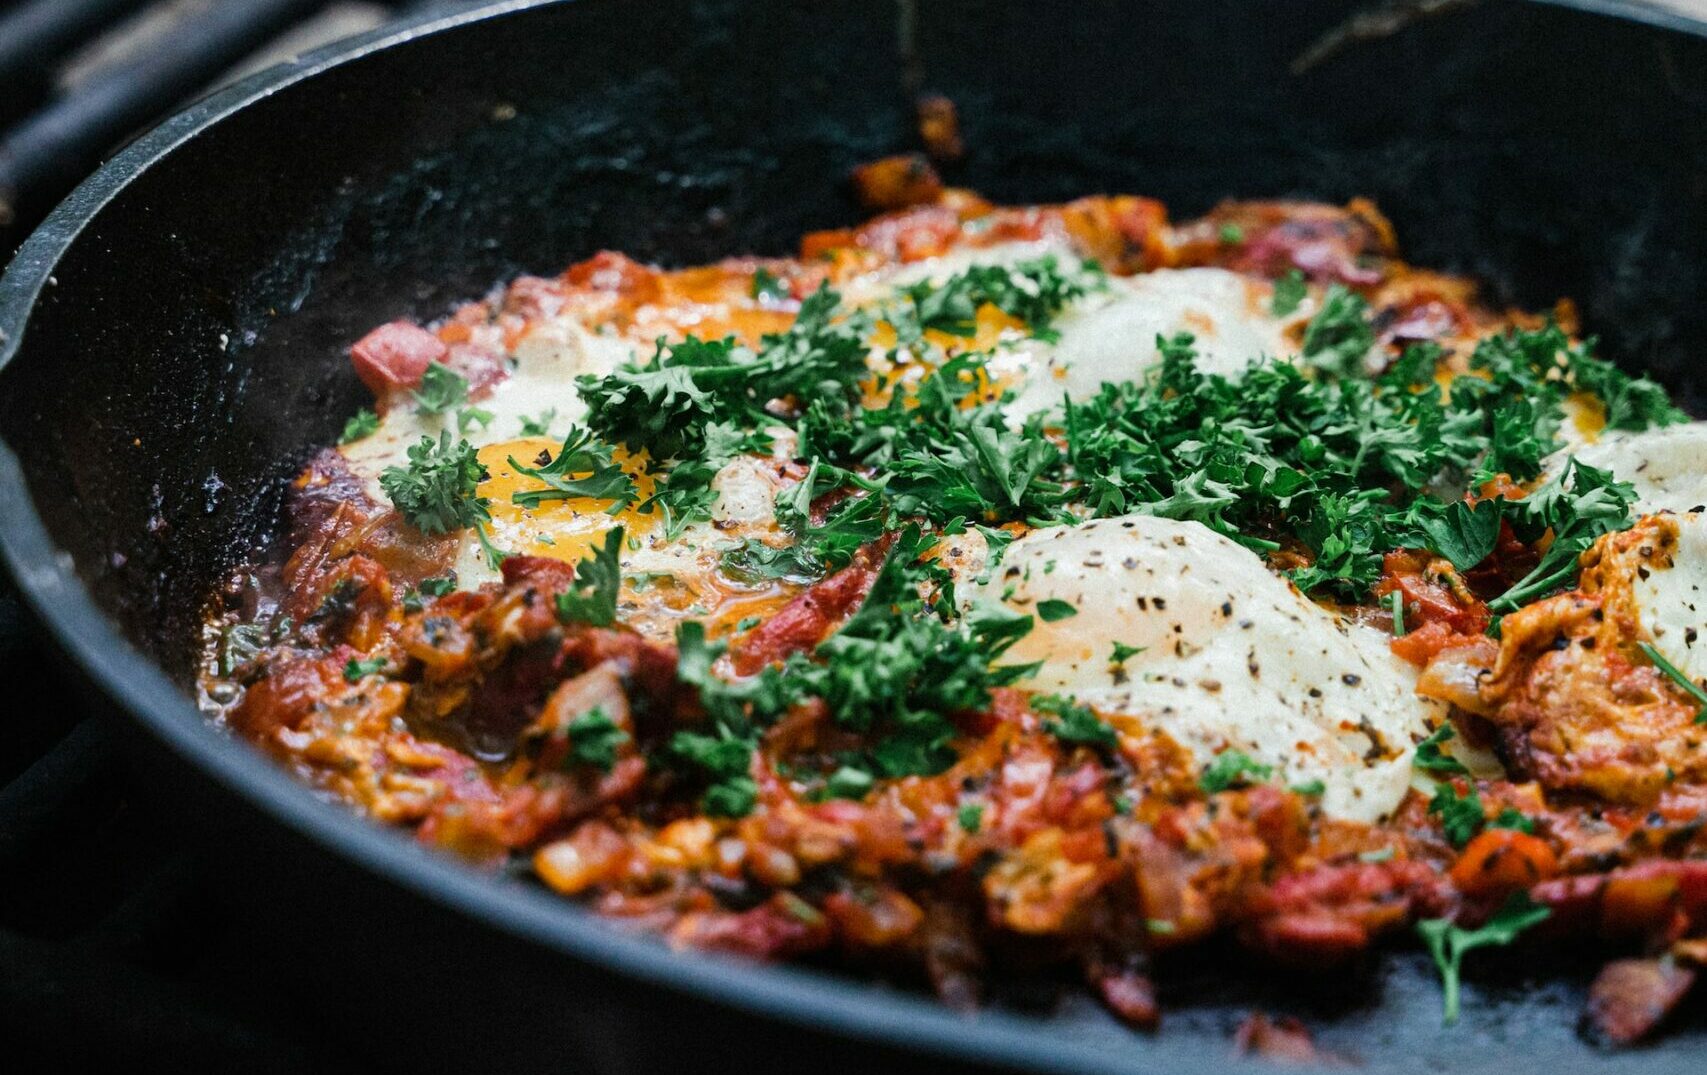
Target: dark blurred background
x=114, y=939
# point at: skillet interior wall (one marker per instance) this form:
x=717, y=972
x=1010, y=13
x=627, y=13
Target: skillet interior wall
x=1548, y=151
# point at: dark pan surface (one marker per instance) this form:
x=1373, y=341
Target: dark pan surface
x=173, y=338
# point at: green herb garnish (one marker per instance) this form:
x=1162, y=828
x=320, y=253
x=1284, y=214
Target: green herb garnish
x=364, y=423
x=591, y=598
x=1448, y=943
x=1232, y=768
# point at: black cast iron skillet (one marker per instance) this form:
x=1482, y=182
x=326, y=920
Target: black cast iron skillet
x=173, y=342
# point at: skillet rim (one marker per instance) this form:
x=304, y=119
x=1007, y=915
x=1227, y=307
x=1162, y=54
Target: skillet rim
x=47, y=581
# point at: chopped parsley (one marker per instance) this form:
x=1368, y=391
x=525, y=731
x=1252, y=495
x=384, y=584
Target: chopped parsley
x=1339, y=338
x=667, y=406
x=1431, y=758
x=414, y=598
x=591, y=597
x=1448, y=942
x=1461, y=815
x=1074, y=723
x=849, y=782
x=594, y=739
x=539, y=426
x=1054, y=610
x=971, y=817
x=1289, y=292
x=1123, y=653
x=1577, y=506
x=1513, y=818
x=473, y=418
x=754, y=561
x=356, y=670
x=1325, y=458
x=1032, y=291
x=1692, y=688
x=768, y=286
x=437, y=491
x=440, y=390
x=732, y=796
x=582, y=467
x=1463, y=533
x=1231, y=234
x=1310, y=788
x=1232, y=768
x=894, y=672
x=364, y=423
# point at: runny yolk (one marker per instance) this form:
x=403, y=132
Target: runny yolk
x=567, y=530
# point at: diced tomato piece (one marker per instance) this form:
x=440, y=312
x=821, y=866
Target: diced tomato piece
x=1630, y=997
x=1501, y=861
x=897, y=182
x=609, y=271
x=804, y=621
x=394, y=356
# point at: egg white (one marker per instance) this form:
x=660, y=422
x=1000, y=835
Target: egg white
x=1232, y=656
x=1671, y=600
x=1667, y=465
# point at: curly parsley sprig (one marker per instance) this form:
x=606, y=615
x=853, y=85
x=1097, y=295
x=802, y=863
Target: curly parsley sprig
x=438, y=492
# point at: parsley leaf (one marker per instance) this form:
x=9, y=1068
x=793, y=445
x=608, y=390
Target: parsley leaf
x=473, y=417
x=1448, y=942
x=733, y=796
x=768, y=285
x=1577, y=506
x=437, y=586
x=1339, y=337
x=364, y=423
x=539, y=426
x=591, y=598
x=1289, y=292
x=1431, y=758
x=1053, y=610
x=441, y=389
x=1513, y=818
x=594, y=739
x=1232, y=768
x=849, y=782
x=1461, y=816
x=754, y=561
x=600, y=478
x=1032, y=291
x=970, y=817
x=436, y=492
x=1074, y=723
x=356, y=670
x=1463, y=533
x=1123, y=653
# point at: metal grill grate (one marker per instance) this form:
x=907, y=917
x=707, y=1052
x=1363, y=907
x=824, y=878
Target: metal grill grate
x=77, y=77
